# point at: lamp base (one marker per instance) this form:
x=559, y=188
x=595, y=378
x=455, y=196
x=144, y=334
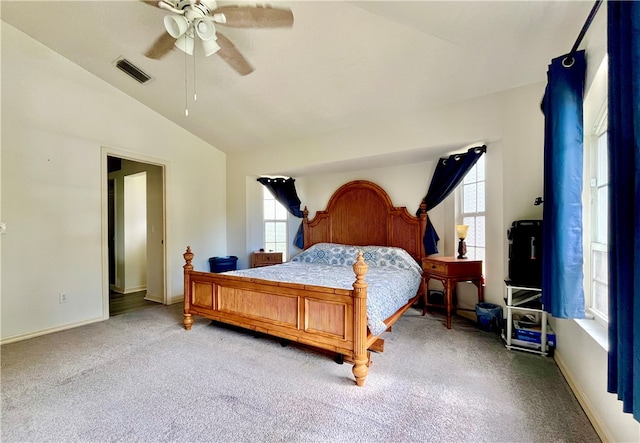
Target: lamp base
x=462, y=249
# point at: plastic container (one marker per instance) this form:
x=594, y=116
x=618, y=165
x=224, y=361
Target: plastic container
x=489, y=317
x=222, y=264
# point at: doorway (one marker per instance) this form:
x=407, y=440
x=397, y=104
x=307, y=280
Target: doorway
x=135, y=235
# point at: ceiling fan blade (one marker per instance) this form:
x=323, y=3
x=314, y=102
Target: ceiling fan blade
x=254, y=17
x=161, y=46
x=232, y=56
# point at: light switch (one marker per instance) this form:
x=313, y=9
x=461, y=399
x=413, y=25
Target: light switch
x=3, y=228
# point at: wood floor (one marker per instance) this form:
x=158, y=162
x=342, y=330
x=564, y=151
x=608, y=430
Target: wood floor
x=121, y=303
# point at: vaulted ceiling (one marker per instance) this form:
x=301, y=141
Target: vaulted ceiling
x=342, y=64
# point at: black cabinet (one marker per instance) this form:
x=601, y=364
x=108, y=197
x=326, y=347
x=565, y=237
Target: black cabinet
x=525, y=253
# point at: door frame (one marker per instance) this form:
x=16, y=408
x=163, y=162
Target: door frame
x=104, y=187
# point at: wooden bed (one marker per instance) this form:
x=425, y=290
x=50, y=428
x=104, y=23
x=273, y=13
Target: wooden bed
x=358, y=213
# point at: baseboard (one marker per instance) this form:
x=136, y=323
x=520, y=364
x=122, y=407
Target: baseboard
x=134, y=289
x=21, y=337
x=174, y=300
x=595, y=420
x=125, y=291
x=153, y=298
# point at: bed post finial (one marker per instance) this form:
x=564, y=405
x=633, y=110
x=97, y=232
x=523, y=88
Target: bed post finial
x=423, y=225
x=423, y=208
x=306, y=237
x=188, y=267
x=188, y=256
x=360, y=267
x=360, y=356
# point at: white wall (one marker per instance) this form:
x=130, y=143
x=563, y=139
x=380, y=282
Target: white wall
x=56, y=117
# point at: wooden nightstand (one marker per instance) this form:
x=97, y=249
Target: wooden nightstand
x=449, y=271
x=259, y=259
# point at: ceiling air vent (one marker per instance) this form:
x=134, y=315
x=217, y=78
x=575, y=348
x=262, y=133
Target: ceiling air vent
x=132, y=70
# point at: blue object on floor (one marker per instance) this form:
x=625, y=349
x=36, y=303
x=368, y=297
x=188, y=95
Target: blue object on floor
x=489, y=317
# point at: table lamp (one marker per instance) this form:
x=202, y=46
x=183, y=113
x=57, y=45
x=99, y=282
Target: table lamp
x=461, y=231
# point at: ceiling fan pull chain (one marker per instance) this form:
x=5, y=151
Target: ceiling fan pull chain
x=195, y=97
x=186, y=92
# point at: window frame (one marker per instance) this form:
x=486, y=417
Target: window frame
x=463, y=216
x=595, y=109
x=598, y=133
x=281, y=217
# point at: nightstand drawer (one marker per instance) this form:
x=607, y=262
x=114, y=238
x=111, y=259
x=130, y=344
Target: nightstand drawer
x=259, y=259
x=451, y=267
x=435, y=267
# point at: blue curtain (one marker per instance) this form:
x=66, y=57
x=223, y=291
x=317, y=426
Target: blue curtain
x=562, y=274
x=449, y=173
x=624, y=203
x=284, y=191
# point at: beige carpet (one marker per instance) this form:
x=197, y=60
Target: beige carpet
x=140, y=377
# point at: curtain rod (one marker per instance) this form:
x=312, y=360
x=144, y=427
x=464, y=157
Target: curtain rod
x=569, y=58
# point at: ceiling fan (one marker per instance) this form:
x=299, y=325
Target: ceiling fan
x=191, y=19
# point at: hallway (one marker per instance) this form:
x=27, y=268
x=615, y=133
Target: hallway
x=121, y=303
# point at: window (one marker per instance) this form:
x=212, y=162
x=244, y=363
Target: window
x=599, y=189
x=472, y=211
x=275, y=224
x=596, y=198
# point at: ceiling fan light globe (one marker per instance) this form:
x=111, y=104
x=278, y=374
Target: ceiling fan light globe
x=176, y=25
x=205, y=30
x=210, y=47
x=185, y=43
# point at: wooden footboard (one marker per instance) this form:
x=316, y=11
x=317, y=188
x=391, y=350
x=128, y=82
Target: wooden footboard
x=326, y=318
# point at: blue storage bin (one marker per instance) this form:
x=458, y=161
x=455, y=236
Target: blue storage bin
x=222, y=264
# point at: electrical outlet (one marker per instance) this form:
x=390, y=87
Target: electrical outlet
x=63, y=297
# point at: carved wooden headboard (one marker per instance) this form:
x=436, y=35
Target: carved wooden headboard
x=361, y=213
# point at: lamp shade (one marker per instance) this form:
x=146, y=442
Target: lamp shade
x=176, y=25
x=205, y=29
x=185, y=44
x=461, y=231
x=210, y=47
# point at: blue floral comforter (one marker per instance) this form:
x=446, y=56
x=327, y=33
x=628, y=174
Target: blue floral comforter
x=393, y=276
